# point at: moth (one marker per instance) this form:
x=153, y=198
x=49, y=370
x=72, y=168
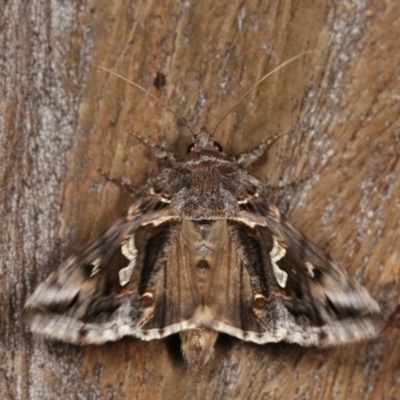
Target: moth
x=203, y=250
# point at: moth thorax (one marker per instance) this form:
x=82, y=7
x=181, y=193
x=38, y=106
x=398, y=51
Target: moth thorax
x=198, y=345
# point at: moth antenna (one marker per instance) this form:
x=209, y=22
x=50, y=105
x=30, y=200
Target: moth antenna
x=257, y=83
x=148, y=93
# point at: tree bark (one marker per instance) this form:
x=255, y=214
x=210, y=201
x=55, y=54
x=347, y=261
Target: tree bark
x=65, y=124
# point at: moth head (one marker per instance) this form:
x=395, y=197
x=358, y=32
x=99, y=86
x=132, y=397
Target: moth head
x=204, y=141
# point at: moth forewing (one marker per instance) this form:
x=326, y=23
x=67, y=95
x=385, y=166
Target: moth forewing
x=203, y=251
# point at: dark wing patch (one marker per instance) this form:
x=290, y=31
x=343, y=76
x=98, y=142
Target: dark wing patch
x=318, y=304
x=101, y=294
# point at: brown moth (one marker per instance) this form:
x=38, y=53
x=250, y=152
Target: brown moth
x=203, y=250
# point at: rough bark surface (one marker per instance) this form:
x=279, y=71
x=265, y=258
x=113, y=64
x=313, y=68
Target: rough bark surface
x=62, y=121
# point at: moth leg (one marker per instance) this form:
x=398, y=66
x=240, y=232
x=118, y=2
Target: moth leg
x=158, y=151
x=247, y=158
x=117, y=182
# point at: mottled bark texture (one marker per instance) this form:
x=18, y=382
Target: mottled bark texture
x=63, y=122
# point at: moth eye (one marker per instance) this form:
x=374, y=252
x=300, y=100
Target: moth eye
x=217, y=147
x=190, y=148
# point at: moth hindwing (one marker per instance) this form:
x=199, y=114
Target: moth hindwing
x=202, y=250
